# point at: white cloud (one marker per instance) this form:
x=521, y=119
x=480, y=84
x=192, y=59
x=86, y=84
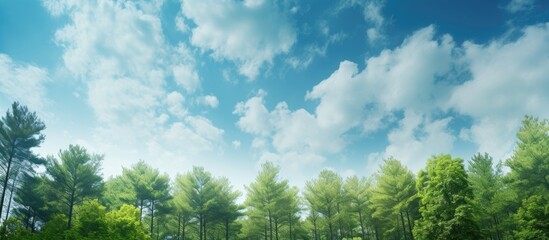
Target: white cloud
x=250, y=33
x=508, y=81
x=254, y=115
x=209, y=100
x=180, y=24
x=118, y=50
x=175, y=102
x=23, y=82
x=519, y=5
x=371, y=10
x=187, y=77
x=395, y=80
x=417, y=138
x=315, y=50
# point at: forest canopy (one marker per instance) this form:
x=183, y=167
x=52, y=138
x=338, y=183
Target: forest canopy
x=450, y=198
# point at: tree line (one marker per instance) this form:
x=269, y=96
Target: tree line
x=448, y=199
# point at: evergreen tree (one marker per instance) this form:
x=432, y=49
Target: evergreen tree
x=529, y=177
x=266, y=197
x=74, y=178
x=324, y=195
x=20, y=131
x=446, y=209
x=393, y=196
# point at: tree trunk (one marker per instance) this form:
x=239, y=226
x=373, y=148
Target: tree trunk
x=330, y=229
x=183, y=233
x=290, y=223
x=205, y=228
x=403, y=226
x=11, y=195
x=265, y=231
x=7, y=177
x=339, y=225
x=376, y=232
x=409, y=225
x=201, y=226
x=315, y=230
x=140, y=210
x=270, y=225
x=227, y=229
x=179, y=226
x=71, y=206
x=361, y=224
x=152, y=219
x=496, y=228
x=157, y=230
x=276, y=228
x=33, y=223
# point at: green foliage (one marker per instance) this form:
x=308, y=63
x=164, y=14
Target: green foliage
x=359, y=195
x=324, y=196
x=491, y=196
x=446, y=209
x=13, y=229
x=124, y=224
x=529, y=177
x=55, y=228
x=90, y=221
x=445, y=201
x=116, y=193
x=31, y=199
x=271, y=199
x=20, y=131
x=533, y=218
x=393, y=196
x=74, y=178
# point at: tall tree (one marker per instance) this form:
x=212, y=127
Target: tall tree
x=446, y=209
x=183, y=210
x=200, y=190
x=140, y=177
x=228, y=210
x=265, y=196
x=117, y=193
x=359, y=196
x=530, y=179
x=149, y=190
x=159, y=197
x=74, y=177
x=31, y=198
x=491, y=195
x=393, y=195
x=323, y=195
x=291, y=208
x=20, y=131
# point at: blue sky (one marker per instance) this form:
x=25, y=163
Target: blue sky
x=306, y=84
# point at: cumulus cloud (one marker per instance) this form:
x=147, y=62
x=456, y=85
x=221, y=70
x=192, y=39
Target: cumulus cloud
x=187, y=77
x=393, y=81
x=508, y=81
x=250, y=33
x=23, y=82
x=419, y=85
x=175, y=102
x=117, y=49
x=417, y=138
x=209, y=100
